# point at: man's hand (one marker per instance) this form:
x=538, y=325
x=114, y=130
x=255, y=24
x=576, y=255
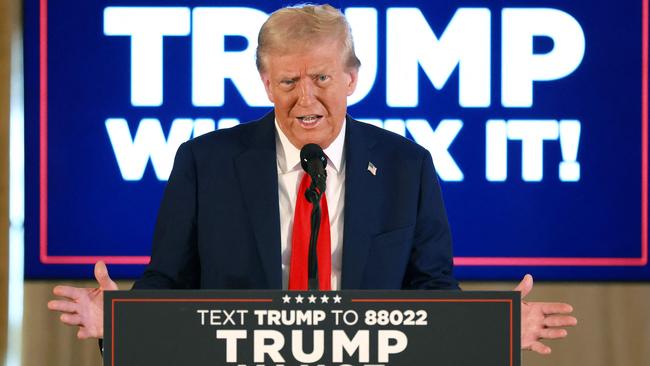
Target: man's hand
x=542, y=320
x=84, y=307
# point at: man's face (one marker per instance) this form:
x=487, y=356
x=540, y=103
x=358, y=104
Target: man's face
x=309, y=87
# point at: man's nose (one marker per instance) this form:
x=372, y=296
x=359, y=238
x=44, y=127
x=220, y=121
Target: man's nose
x=307, y=92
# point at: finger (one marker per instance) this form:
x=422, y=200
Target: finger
x=84, y=333
x=550, y=308
x=68, y=291
x=70, y=319
x=560, y=321
x=540, y=348
x=62, y=305
x=552, y=333
x=102, y=277
x=525, y=285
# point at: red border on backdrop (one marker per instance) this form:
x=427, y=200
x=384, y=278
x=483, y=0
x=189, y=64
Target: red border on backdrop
x=462, y=261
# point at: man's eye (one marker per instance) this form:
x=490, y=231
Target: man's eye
x=286, y=82
x=323, y=77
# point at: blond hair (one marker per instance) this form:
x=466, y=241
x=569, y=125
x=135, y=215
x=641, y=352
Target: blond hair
x=304, y=23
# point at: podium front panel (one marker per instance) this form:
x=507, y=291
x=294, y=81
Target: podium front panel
x=397, y=328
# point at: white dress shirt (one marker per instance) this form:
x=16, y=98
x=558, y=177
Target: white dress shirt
x=289, y=175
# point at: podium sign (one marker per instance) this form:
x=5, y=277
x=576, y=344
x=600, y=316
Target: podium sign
x=397, y=328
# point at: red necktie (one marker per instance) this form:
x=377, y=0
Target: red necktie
x=299, y=272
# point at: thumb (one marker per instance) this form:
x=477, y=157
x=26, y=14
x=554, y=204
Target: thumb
x=525, y=285
x=102, y=277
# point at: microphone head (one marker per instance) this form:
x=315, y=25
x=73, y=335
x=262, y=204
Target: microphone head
x=309, y=153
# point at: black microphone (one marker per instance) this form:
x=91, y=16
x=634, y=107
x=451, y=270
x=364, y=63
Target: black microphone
x=313, y=161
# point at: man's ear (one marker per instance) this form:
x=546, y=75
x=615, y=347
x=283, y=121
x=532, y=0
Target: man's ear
x=266, y=80
x=352, y=82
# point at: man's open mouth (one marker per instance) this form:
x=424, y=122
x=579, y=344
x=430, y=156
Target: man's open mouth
x=310, y=119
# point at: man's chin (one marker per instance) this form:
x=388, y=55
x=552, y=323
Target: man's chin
x=313, y=137
x=320, y=142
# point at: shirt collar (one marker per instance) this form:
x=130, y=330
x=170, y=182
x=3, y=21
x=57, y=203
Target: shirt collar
x=289, y=156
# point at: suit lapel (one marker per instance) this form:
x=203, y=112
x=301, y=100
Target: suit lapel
x=360, y=206
x=256, y=168
x=257, y=171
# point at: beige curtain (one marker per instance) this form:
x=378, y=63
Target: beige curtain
x=8, y=10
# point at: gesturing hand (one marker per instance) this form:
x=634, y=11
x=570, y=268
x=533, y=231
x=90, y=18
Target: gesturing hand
x=542, y=320
x=84, y=307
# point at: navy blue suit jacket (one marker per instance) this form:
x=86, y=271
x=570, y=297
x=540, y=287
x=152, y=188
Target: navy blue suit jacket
x=219, y=227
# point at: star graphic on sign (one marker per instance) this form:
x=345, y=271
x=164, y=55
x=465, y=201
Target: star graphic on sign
x=312, y=299
x=324, y=299
x=286, y=299
x=299, y=299
x=337, y=299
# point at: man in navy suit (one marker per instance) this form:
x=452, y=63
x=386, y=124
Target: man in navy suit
x=226, y=216
x=391, y=241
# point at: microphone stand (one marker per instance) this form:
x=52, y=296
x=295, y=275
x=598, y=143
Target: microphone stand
x=312, y=283
x=313, y=195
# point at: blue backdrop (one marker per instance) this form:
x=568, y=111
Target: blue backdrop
x=535, y=113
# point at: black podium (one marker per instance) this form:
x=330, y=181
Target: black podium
x=397, y=328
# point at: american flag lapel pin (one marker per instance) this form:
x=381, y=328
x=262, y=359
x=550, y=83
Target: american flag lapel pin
x=372, y=168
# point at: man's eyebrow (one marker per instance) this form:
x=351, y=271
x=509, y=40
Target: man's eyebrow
x=289, y=75
x=316, y=74
x=323, y=70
